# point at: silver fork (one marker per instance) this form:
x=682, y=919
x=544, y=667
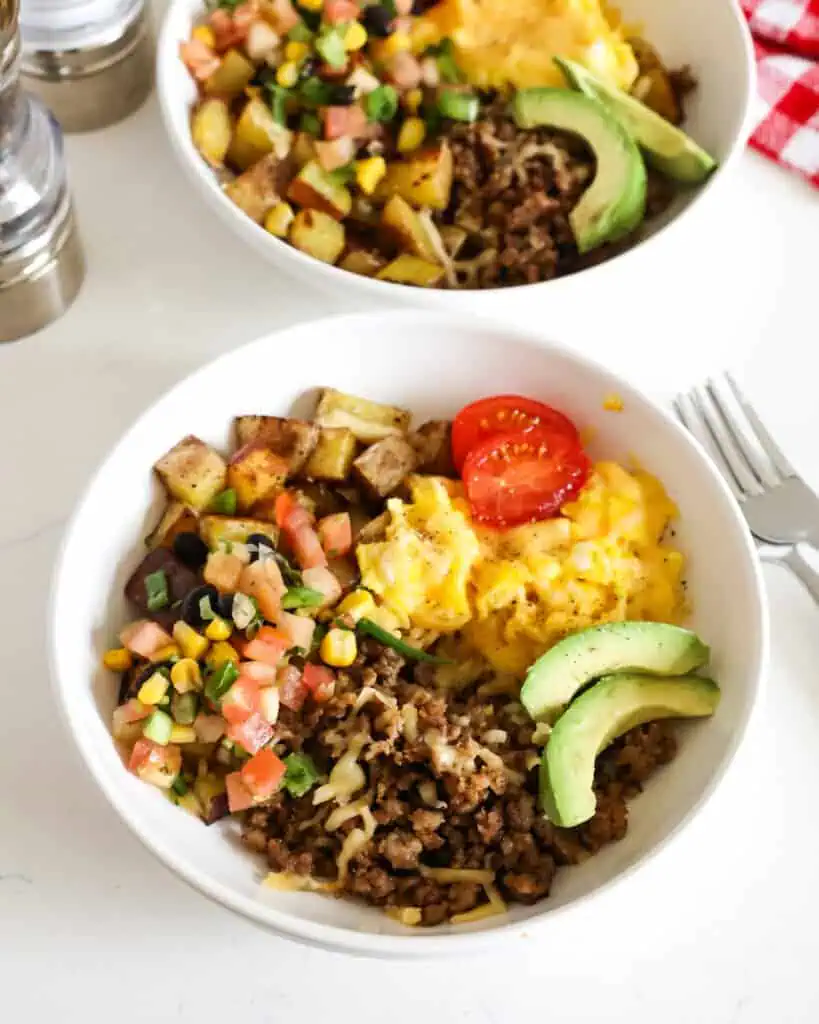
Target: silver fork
x=781, y=510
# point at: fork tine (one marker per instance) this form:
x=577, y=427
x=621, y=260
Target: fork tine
x=745, y=440
x=692, y=418
x=772, y=449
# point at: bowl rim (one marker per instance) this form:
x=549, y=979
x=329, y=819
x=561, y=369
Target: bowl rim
x=277, y=250
x=415, y=944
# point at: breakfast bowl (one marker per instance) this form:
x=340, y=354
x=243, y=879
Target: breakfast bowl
x=545, y=243
x=433, y=364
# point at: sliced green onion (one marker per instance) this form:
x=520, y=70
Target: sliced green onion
x=310, y=124
x=459, y=106
x=330, y=45
x=383, y=636
x=315, y=93
x=156, y=590
x=245, y=611
x=278, y=105
x=301, y=774
x=302, y=597
x=444, y=54
x=220, y=680
x=291, y=576
x=342, y=175
x=224, y=503
x=206, y=612
x=300, y=33
x=179, y=786
x=382, y=103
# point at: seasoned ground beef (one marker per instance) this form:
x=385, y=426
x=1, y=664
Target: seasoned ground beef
x=439, y=796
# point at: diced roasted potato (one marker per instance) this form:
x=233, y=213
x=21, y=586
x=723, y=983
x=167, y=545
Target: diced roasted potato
x=260, y=187
x=369, y=421
x=178, y=579
x=654, y=89
x=425, y=179
x=360, y=261
x=317, y=234
x=291, y=439
x=647, y=57
x=214, y=529
x=193, y=472
x=231, y=77
x=405, y=228
x=211, y=129
x=304, y=148
x=333, y=455
x=432, y=442
x=453, y=238
x=314, y=189
x=255, y=472
x=383, y=466
x=257, y=133
x=374, y=530
x=177, y=518
x=408, y=269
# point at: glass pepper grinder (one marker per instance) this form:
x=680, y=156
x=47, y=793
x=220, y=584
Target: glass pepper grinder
x=41, y=261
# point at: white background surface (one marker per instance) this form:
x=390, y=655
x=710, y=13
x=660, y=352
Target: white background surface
x=721, y=928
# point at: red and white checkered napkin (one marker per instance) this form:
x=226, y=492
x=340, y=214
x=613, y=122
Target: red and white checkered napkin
x=786, y=39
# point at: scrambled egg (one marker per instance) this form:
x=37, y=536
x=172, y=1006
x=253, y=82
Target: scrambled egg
x=513, y=43
x=513, y=594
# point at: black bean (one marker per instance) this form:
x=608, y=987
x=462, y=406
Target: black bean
x=190, y=549
x=377, y=20
x=191, y=604
x=225, y=606
x=259, y=540
x=309, y=66
x=342, y=95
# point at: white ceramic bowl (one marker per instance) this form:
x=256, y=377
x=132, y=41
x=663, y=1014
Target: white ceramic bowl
x=432, y=363
x=710, y=35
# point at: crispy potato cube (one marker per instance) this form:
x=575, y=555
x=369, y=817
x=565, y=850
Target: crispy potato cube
x=177, y=518
x=254, y=472
x=384, y=465
x=654, y=89
x=215, y=529
x=453, y=239
x=333, y=455
x=260, y=187
x=360, y=261
x=314, y=189
x=231, y=77
x=408, y=269
x=369, y=421
x=257, y=134
x=211, y=127
x=318, y=235
x=374, y=530
x=424, y=179
x=291, y=439
x=432, y=442
x=304, y=148
x=406, y=229
x=192, y=472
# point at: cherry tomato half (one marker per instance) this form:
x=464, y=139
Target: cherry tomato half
x=523, y=477
x=503, y=414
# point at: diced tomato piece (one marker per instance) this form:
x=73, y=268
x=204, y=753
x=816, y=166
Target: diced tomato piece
x=252, y=734
x=307, y=547
x=155, y=764
x=292, y=691
x=320, y=681
x=268, y=645
x=209, y=728
x=144, y=638
x=290, y=513
x=405, y=70
x=241, y=700
x=338, y=11
x=141, y=752
x=263, y=773
x=298, y=629
x=238, y=795
x=325, y=582
x=339, y=121
x=336, y=534
x=261, y=673
x=199, y=59
x=134, y=710
x=262, y=580
x=225, y=30
x=244, y=16
x=336, y=153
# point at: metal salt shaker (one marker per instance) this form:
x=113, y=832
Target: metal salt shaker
x=41, y=262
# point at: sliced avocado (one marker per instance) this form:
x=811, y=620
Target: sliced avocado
x=668, y=148
x=614, y=203
x=650, y=647
x=609, y=709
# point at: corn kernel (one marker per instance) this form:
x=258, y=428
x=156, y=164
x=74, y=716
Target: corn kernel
x=369, y=172
x=166, y=653
x=117, y=659
x=186, y=676
x=339, y=648
x=296, y=51
x=396, y=43
x=613, y=403
x=220, y=653
x=205, y=34
x=412, y=100
x=355, y=36
x=411, y=135
x=153, y=689
x=183, y=734
x=312, y=5
x=358, y=605
x=191, y=644
x=279, y=219
x=218, y=630
x=287, y=75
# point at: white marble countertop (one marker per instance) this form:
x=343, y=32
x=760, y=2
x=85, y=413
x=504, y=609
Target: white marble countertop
x=720, y=928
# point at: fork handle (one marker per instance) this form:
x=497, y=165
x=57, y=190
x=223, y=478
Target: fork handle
x=794, y=559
